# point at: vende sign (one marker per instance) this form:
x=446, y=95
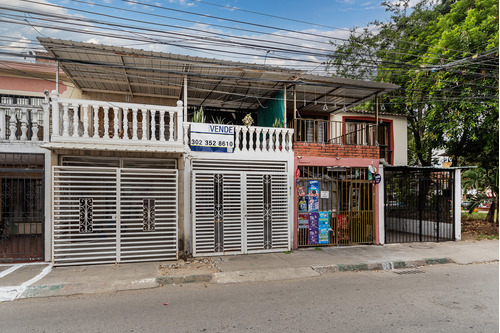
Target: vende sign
x=212, y=138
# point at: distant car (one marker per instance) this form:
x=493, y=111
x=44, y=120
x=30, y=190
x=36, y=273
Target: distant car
x=466, y=204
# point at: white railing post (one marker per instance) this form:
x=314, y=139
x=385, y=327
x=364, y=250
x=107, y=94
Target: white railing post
x=24, y=124
x=162, y=125
x=76, y=121
x=34, y=124
x=46, y=121
x=125, y=123
x=12, y=124
x=116, y=124
x=186, y=136
x=153, y=125
x=85, y=120
x=171, y=126
x=95, y=132
x=180, y=119
x=65, y=132
x=245, y=131
x=253, y=140
x=144, y=113
x=3, y=128
x=106, y=122
x=56, y=130
x=134, y=124
x=237, y=138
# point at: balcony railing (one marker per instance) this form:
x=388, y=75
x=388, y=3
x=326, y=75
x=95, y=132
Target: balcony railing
x=263, y=139
x=24, y=123
x=258, y=139
x=115, y=123
x=333, y=132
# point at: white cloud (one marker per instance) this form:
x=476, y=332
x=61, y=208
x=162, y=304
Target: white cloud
x=206, y=38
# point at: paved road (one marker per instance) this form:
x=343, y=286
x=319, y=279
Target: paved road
x=445, y=298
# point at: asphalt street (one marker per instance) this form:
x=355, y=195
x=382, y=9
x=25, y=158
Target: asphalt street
x=444, y=298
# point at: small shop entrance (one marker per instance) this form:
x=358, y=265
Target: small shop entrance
x=335, y=206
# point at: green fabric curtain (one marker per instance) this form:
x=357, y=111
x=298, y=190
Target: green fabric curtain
x=274, y=109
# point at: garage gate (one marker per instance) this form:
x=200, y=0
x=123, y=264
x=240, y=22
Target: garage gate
x=108, y=215
x=238, y=212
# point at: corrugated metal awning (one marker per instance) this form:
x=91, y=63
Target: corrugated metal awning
x=95, y=68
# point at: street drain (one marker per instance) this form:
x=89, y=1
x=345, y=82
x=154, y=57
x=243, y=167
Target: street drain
x=409, y=271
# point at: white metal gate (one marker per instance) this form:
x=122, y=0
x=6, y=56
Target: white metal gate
x=107, y=215
x=240, y=212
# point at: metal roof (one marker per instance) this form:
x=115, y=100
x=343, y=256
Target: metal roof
x=96, y=68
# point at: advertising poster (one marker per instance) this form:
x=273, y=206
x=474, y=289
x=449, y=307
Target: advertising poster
x=302, y=204
x=313, y=220
x=323, y=236
x=323, y=227
x=313, y=236
x=302, y=192
x=313, y=192
x=313, y=228
x=303, y=221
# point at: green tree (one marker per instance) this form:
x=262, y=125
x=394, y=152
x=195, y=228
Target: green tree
x=444, y=55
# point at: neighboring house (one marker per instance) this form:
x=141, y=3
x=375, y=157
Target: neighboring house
x=127, y=176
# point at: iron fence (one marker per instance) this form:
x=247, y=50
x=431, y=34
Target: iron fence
x=21, y=207
x=418, y=205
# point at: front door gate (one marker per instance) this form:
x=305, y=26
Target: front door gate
x=418, y=205
x=108, y=215
x=240, y=212
x=21, y=207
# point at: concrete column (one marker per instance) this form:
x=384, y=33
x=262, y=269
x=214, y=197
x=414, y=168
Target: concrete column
x=457, y=202
x=187, y=220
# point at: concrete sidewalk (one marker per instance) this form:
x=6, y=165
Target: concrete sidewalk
x=42, y=280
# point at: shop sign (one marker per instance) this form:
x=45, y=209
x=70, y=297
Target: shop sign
x=212, y=138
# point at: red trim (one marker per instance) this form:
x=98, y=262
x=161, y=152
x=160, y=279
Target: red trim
x=372, y=119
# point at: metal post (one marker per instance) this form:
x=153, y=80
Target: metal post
x=284, y=106
x=185, y=98
x=376, y=120
x=57, y=78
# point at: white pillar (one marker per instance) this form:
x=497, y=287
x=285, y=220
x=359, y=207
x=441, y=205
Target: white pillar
x=188, y=224
x=457, y=202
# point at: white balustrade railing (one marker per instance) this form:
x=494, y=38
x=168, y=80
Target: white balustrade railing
x=263, y=139
x=258, y=139
x=98, y=121
x=24, y=123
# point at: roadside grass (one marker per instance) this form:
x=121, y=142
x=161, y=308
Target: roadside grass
x=475, y=215
x=481, y=237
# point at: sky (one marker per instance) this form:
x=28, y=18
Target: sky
x=292, y=33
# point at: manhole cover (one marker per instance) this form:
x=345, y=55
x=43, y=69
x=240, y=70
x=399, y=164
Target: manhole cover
x=409, y=271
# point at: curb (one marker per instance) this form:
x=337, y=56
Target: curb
x=221, y=277
x=391, y=265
